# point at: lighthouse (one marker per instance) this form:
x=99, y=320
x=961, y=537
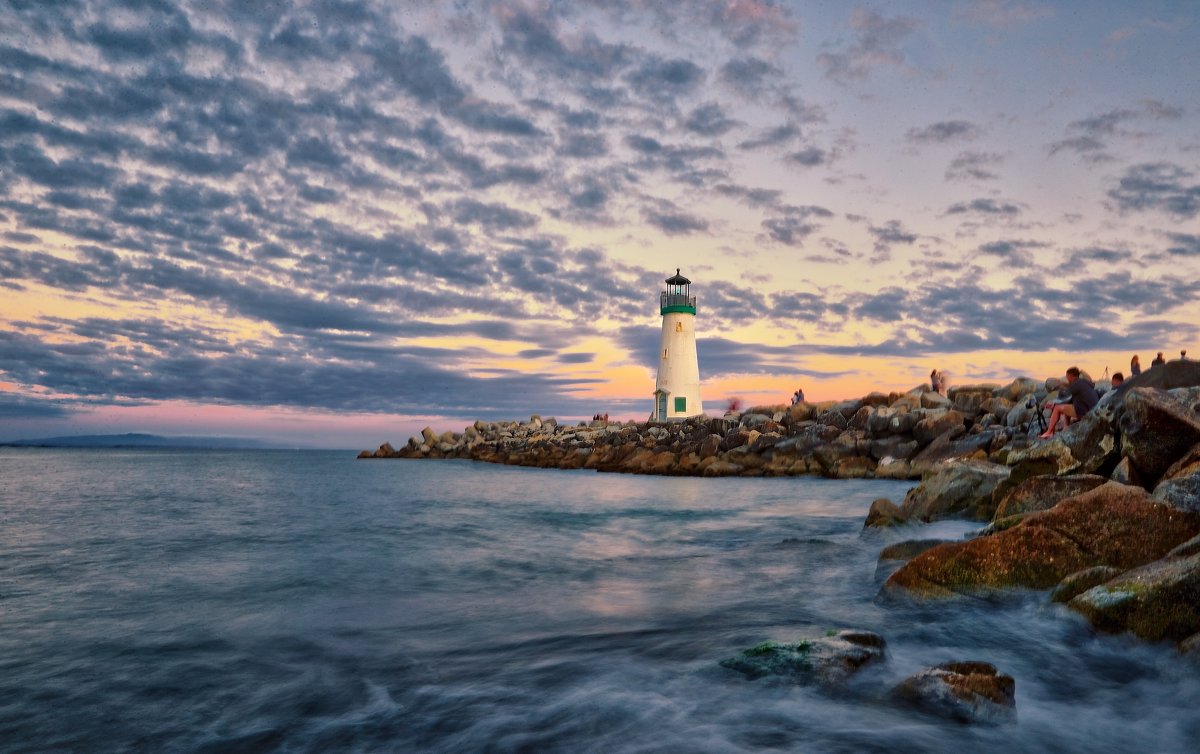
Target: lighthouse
x=677, y=391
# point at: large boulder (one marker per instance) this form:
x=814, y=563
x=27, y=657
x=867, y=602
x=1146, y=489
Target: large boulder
x=934, y=400
x=970, y=692
x=1182, y=493
x=1041, y=493
x=937, y=423
x=947, y=449
x=884, y=512
x=970, y=402
x=1081, y=581
x=1086, y=447
x=961, y=489
x=909, y=548
x=1017, y=389
x=826, y=661
x=1113, y=525
x=1173, y=374
x=1156, y=431
x=893, y=447
x=1158, y=601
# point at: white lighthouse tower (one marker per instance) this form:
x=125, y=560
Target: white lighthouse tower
x=677, y=391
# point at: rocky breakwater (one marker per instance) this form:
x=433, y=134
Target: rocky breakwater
x=890, y=436
x=1105, y=514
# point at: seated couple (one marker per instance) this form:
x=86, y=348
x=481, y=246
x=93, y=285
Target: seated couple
x=1075, y=400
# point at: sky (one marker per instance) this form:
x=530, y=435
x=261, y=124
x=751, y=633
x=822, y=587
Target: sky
x=329, y=224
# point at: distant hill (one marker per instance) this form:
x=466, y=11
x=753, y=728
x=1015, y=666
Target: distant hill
x=138, y=440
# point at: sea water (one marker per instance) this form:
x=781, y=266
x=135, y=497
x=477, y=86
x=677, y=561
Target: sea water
x=192, y=601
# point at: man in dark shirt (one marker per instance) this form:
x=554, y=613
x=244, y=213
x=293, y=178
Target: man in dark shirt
x=1079, y=398
x=1158, y=360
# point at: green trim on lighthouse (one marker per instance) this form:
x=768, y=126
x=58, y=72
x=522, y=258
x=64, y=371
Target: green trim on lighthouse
x=683, y=309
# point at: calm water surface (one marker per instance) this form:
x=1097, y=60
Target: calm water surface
x=165, y=601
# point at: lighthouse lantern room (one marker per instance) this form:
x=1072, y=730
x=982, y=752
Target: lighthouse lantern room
x=677, y=391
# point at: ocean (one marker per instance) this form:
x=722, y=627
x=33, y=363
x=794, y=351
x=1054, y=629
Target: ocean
x=279, y=601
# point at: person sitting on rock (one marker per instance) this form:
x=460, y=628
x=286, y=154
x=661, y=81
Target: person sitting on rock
x=1077, y=398
x=1158, y=360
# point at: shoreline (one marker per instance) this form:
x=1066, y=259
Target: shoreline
x=1104, y=515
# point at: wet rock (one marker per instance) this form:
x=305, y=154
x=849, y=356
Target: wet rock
x=1113, y=525
x=1160, y=600
x=1041, y=493
x=909, y=548
x=722, y=468
x=825, y=661
x=960, y=489
x=891, y=468
x=1081, y=581
x=884, y=512
x=853, y=467
x=970, y=692
x=1157, y=432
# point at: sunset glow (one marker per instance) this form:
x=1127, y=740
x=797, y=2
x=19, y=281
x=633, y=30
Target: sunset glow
x=333, y=223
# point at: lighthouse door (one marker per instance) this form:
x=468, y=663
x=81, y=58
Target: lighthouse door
x=662, y=407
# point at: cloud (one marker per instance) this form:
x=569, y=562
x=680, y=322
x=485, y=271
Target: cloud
x=976, y=166
x=710, y=120
x=663, y=80
x=877, y=43
x=810, y=157
x=673, y=221
x=984, y=206
x=1013, y=251
x=14, y=406
x=890, y=234
x=1002, y=14
x=493, y=216
x=1089, y=138
x=944, y=132
x=772, y=137
x=795, y=224
x=748, y=73
x=1160, y=186
x=1184, y=245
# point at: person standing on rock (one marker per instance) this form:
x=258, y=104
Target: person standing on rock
x=937, y=382
x=1077, y=399
x=1135, y=366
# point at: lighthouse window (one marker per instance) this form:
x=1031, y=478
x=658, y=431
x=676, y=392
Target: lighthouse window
x=678, y=327
x=664, y=353
x=680, y=405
